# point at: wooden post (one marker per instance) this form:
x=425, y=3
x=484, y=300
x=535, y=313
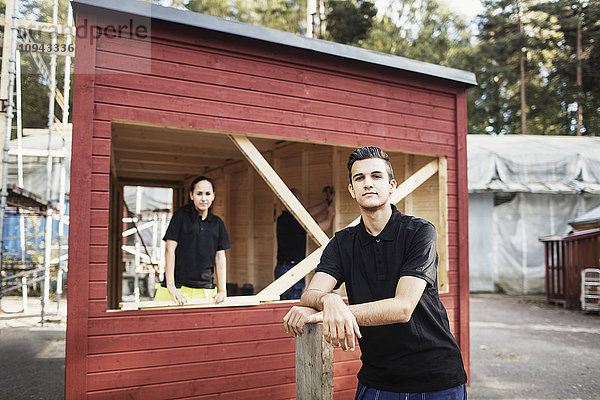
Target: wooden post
x=442, y=228
x=314, y=365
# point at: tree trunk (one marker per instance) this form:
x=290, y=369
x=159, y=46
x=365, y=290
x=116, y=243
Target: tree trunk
x=522, y=70
x=579, y=81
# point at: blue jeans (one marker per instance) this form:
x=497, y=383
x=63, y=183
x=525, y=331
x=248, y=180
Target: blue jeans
x=366, y=393
x=295, y=291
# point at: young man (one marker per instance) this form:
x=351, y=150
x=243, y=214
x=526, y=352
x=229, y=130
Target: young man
x=389, y=264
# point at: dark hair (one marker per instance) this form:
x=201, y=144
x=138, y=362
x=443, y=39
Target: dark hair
x=367, y=152
x=200, y=179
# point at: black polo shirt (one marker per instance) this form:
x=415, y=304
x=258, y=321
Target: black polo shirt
x=291, y=239
x=420, y=355
x=197, y=244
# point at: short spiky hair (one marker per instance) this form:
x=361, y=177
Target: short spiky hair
x=367, y=152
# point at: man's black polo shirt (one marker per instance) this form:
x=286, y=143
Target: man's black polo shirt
x=420, y=355
x=197, y=244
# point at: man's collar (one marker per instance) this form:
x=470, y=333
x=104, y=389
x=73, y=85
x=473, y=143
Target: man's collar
x=388, y=233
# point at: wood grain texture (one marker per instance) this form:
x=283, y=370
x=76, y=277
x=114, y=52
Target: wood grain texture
x=79, y=234
x=314, y=365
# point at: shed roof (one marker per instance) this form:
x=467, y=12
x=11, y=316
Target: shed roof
x=203, y=21
x=591, y=216
x=534, y=164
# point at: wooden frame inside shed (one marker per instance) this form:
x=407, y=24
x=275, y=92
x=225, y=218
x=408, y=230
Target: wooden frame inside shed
x=250, y=179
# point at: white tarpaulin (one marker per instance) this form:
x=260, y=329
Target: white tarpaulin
x=519, y=258
x=537, y=184
x=522, y=163
x=34, y=150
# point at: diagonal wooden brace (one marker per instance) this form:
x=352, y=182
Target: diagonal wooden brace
x=265, y=170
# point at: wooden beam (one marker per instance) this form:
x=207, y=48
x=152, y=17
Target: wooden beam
x=193, y=303
x=310, y=263
x=149, y=168
x=171, y=159
x=442, y=229
x=170, y=146
x=314, y=365
x=41, y=153
x=251, y=261
x=285, y=281
x=408, y=168
x=335, y=178
x=279, y=187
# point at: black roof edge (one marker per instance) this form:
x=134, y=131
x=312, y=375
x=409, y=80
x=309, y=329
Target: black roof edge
x=198, y=20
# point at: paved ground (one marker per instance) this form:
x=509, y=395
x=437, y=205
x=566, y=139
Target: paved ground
x=521, y=349
x=32, y=357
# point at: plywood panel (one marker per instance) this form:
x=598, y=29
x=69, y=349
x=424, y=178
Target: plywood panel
x=238, y=227
x=237, y=367
x=195, y=387
x=221, y=62
x=264, y=222
x=192, y=354
x=318, y=171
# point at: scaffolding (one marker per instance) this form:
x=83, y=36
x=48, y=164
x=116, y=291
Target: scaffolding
x=10, y=95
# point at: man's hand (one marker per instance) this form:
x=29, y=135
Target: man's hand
x=339, y=324
x=295, y=319
x=220, y=297
x=177, y=295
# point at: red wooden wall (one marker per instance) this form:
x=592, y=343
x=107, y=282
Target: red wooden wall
x=195, y=78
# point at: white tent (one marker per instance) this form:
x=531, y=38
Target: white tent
x=34, y=150
x=521, y=188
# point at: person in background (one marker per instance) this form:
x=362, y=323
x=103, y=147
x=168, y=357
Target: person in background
x=389, y=264
x=291, y=238
x=196, y=241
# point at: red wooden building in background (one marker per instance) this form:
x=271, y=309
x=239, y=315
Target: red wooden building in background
x=162, y=95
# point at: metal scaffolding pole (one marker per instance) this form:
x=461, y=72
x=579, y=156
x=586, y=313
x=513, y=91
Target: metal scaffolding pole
x=8, y=119
x=20, y=182
x=63, y=170
x=49, y=211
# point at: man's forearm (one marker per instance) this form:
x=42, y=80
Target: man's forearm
x=382, y=312
x=313, y=298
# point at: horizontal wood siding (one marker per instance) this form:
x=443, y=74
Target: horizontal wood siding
x=214, y=82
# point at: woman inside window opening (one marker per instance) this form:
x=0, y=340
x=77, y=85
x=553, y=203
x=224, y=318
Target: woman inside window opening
x=196, y=241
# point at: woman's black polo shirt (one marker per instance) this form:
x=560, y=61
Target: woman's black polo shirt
x=420, y=355
x=197, y=244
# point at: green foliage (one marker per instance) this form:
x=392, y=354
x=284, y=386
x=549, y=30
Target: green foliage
x=285, y=15
x=348, y=22
x=549, y=38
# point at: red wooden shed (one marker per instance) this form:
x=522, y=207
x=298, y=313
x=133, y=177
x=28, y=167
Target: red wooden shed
x=162, y=95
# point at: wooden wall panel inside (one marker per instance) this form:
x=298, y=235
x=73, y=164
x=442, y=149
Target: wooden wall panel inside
x=238, y=226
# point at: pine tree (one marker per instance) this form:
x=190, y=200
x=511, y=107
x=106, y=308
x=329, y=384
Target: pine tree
x=574, y=76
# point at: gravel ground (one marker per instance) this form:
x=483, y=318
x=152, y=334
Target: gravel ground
x=521, y=349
